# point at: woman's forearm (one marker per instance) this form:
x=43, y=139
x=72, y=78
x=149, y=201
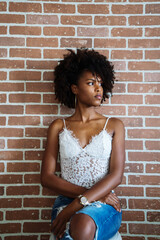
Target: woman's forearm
x=62, y=186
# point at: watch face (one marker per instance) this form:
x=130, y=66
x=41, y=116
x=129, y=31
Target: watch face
x=83, y=200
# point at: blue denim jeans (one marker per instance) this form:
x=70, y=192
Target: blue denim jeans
x=106, y=217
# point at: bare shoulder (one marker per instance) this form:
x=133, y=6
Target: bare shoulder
x=56, y=126
x=117, y=125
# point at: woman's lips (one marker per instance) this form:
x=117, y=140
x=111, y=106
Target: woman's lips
x=98, y=96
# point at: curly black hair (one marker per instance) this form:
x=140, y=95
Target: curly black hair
x=70, y=69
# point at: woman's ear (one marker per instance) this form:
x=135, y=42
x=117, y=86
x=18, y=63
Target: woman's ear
x=74, y=88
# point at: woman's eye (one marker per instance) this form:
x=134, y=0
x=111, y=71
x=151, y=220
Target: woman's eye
x=90, y=83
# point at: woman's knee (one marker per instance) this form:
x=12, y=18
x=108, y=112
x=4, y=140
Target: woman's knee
x=82, y=226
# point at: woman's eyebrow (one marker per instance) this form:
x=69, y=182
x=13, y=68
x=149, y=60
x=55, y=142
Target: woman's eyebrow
x=93, y=79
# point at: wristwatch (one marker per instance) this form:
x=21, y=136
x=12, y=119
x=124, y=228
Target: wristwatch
x=83, y=200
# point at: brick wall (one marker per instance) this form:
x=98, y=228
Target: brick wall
x=33, y=37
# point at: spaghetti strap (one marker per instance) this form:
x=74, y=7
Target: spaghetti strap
x=106, y=122
x=64, y=122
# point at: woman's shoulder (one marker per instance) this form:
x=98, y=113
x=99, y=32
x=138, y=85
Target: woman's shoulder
x=56, y=125
x=116, y=124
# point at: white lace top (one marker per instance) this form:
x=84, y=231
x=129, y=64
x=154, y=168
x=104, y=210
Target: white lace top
x=84, y=166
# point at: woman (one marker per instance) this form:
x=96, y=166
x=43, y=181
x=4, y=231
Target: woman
x=91, y=148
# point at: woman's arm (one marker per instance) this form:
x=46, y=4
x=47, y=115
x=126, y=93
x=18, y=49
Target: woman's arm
x=48, y=177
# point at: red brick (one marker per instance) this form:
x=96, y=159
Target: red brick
x=26, y=120
x=143, y=65
x=152, y=32
x=47, y=120
x=3, y=6
x=144, y=203
x=22, y=98
x=143, y=88
x=11, y=109
x=22, y=215
x=40, y=19
x=132, y=216
x=1, y=167
x=76, y=20
x=38, y=227
x=23, y=167
x=2, y=121
x=124, y=99
x=129, y=191
x=39, y=87
x=143, y=20
x=3, y=30
x=10, y=228
x=8, y=87
x=46, y=214
x=25, y=7
x=153, y=216
x=1, y=191
x=3, y=75
x=41, y=109
x=146, y=229
x=12, y=18
x=143, y=156
x=91, y=32
x=25, y=53
x=152, y=54
x=11, y=41
x=49, y=98
x=152, y=8
x=126, y=54
x=110, y=43
x=1, y=216
x=143, y=43
x=143, y=111
x=23, y=143
x=11, y=155
x=11, y=132
x=42, y=42
x=10, y=179
x=41, y=64
x=32, y=178
x=2, y=144
x=110, y=20
x=34, y=155
x=150, y=77
x=11, y=63
x=52, y=53
x=25, y=75
x=152, y=192
x=133, y=238
x=75, y=42
x=127, y=9
x=143, y=133
x=38, y=202
x=59, y=31
x=2, y=98
x=152, y=145
x=36, y=132
x=143, y=180
x=3, y=53
x=152, y=99
x=48, y=192
x=93, y=9
x=10, y=203
x=58, y=8
x=129, y=76
x=152, y=168
x=119, y=65
x=22, y=190
x=21, y=30
x=134, y=144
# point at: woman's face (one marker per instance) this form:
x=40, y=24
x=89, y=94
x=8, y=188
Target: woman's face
x=89, y=89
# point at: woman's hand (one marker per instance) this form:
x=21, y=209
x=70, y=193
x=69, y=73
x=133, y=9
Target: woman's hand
x=112, y=200
x=59, y=224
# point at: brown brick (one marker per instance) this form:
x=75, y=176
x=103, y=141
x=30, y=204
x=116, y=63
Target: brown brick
x=22, y=215
x=10, y=228
x=1, y=167
x=143, y=20
x=39, y=87
x=8, y=87
x=25, y=53
x=143, y=133
x=1, y=216
x=126, y=54
x=36, y=132
x=143, y=180
x=36, y=227
x=92, y=32
x=3, y=6
x=42, y=42
x=127, y=9
x=33, y=155
x=47, y=120
x=21, y=30
x=12, y=41
x=143, y=88
x=26, y=120
x=49, y=98
x=58, y=8
x=141, y=111
x=3, y=75
x=129, y=191
x=23, y=143
x=59, y=31
x=110, y=43
x=153, y=168
x=133, y=238
x=110, y=20
x=76, y=42
x=41, y=64
x=11, y=63
x=143, y=43
x=52, y=53
x=25, y=7
x=143, y=156
x=11, y=155
x=152, y=8
x=153, y=216
x=143, y=65
x=152, y=145
x=25, y=75
x=10, y=179
x=76, y=20
x=2, y=144
x=132, y=216
x=152, y=192
x=22, y=98
x=11, y=109
x=2, y=121
x=32, y=178
x=93, y=9
x=126, y=99
x=134, y=144
x=39, y=202
x=152, y=99
x=11, y=202
x=129, y=76
x=11, y=132
x=152, y=32
x=23, y=167
x=2, y=98
x=119, y=66
x=22, y=190
x=152, y=54
x=144, y=203
x=46, y=214
x=3, y=53
x=39, y=19
x=12, y=18
x=41, y=109
x=3, y=30
x=1, y=191
x=144, y=229
x=150, y=77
